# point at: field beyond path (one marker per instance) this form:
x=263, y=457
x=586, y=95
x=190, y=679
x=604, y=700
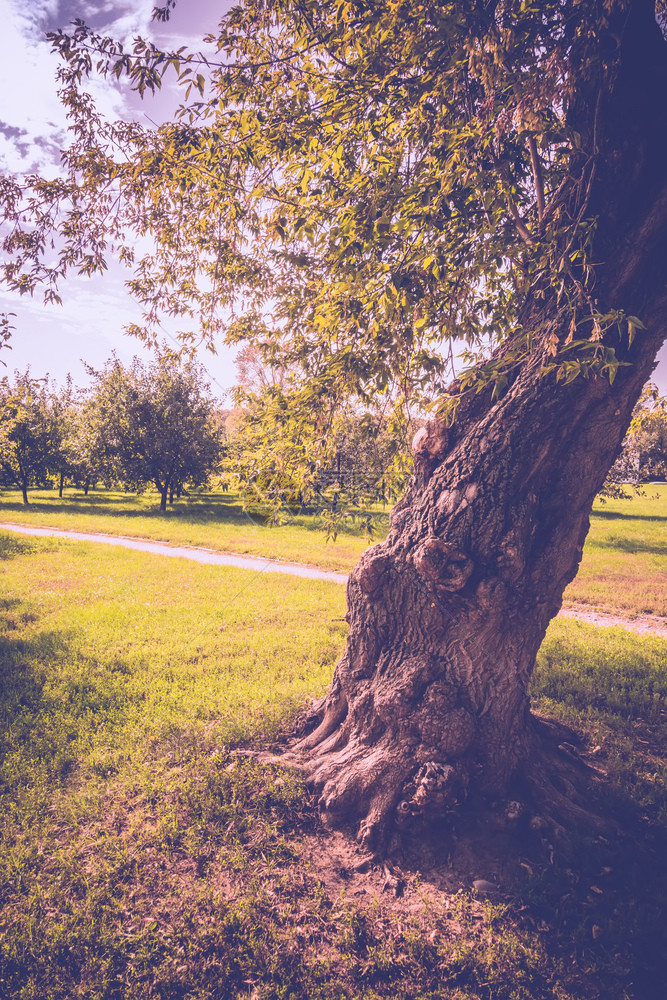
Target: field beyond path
x=205, y=556
x=623, y=571
x=641, y=623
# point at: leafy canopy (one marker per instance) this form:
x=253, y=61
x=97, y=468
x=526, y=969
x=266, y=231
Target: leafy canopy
x=351, y=185
x=153, y=424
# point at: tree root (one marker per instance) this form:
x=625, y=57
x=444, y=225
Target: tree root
x=389, y=795
x=560, y=784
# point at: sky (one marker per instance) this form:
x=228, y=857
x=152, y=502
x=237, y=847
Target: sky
x=58, y=340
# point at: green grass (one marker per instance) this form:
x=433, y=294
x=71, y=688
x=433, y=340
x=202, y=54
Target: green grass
x=624, y=567
x=215, y=521
x=142, y=857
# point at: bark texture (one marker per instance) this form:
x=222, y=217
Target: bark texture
x=430, y=700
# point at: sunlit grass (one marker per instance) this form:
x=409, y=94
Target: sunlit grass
x=140, y=857
x=624, y=566
x=116, y=650
x=215, y=521
x=625, y=558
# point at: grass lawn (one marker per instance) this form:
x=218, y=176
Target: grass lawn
x=140, y=856
x=625, y=558
x=215, y=521
x=624, y=567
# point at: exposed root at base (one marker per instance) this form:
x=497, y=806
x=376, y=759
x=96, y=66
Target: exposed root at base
x=560, y=784
x=388, y=796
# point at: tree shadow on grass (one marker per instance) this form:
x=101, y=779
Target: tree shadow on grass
x=631, y=546
x=612, y=515
x=595, y=901
x=202, y=509
x=25, y=702
x=53, y=700
x=12, y=546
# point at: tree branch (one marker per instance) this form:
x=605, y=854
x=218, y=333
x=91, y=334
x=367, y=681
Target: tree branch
x=538, y=179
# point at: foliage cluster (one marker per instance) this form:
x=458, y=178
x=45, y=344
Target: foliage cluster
x=30, y=431
x=382, y=179
x=285, y=459
x=643, y=456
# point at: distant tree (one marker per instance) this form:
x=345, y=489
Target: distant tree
x=228, y=420
x=82, y=451
x=335, y=460
x=328, y=455
x=64, y=406
x=153, y=424
x=647, y=437
x=643, y=457
x=28, y=431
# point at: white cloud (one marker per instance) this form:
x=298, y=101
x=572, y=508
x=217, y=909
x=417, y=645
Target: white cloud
x=33, y=123
x=33, y=129
x=28, y=101
x=88, y=327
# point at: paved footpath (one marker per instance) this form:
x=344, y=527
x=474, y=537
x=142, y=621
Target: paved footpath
x=208, y=556
x=644, y=624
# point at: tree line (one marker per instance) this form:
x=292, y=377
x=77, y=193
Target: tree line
x=157, y=425
x=136, y=426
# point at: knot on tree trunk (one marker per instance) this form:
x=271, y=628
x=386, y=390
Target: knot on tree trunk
x=434, y=789
x=442, y=565
x=430, y=444
x=371, y=570
x=455, y=499
x=424, y=710
x=441, y=726
x=397, y=693
x=511, y=561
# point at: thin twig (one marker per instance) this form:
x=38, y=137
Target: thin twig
x=538, y=179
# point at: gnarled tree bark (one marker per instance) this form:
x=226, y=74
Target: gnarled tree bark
x=430, y=699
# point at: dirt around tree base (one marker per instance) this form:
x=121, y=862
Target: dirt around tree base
x=579, y=902
x=479, y=874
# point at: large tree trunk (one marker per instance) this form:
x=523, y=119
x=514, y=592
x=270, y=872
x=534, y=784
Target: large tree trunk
x=430, y=700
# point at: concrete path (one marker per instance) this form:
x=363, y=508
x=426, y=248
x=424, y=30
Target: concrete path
x=643, y=624
x=208, y=556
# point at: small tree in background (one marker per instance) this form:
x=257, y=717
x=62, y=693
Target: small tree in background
x=83, y=443
x=153, y=424
x=331, y=455
x=643, y=457
x=28, y=431
x=646, y=441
